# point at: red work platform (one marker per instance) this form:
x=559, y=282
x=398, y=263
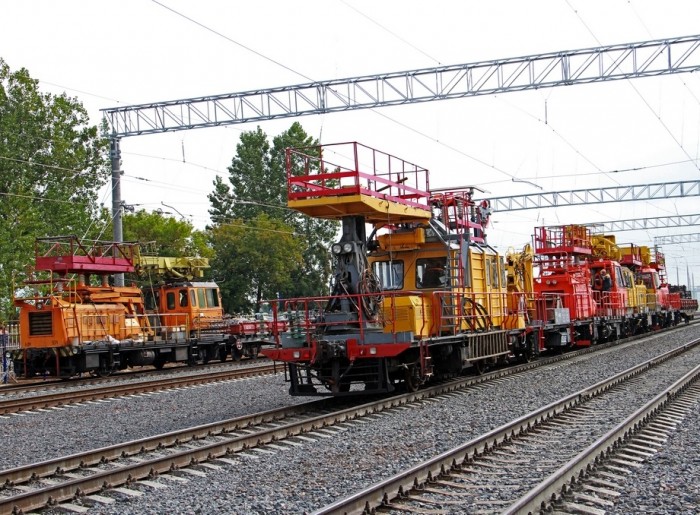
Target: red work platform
x=565, y=239
x=67, y=254
x=350, y=179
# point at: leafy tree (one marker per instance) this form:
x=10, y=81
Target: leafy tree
x=254, y=260
x=170, y=236
x=313, y=277
x=52, y=165
x=258, y=184
x=221, y=202
x=162, y=235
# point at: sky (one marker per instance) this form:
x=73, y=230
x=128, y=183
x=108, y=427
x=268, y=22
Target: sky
x=110, y=54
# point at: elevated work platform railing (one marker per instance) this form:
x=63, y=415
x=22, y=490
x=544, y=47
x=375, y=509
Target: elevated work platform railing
x=350, y=179
x=68, y=254
x=564, y=239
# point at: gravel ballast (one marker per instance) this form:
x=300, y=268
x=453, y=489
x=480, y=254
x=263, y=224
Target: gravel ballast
x=312, y=475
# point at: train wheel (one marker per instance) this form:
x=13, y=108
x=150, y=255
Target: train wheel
x=159, y=363
x=223, y=354
x=412, y=378
x=102, y=372
x=530, y=352
x=237, y=351
x=479, y=367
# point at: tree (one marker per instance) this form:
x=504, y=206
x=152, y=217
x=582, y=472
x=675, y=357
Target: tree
x=313, y=277
x=254, y=259
x=170, y=236
x=221, y=202
x=52, y=165
x=258, y=184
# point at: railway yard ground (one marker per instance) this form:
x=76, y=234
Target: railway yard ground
x=313, y=468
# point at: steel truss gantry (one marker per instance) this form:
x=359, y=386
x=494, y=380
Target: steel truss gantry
x=596, y=196
x=677, y=239
x=641, y=224
x=605, y=63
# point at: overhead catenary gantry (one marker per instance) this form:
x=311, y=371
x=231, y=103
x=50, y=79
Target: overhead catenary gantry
x=542, y=200
x=605, y=63
x=642, y=224
x=674, y=239
x=599, y=64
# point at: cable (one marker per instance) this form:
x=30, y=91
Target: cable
x=390, y=32
x=420, y=133
x=602, y=172
x=644, y=100
x=33, y=197
x=233, y=41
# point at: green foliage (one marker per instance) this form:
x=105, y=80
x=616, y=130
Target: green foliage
x=221, y=202
x=254, y=260
x=52, y=165
x=258, y=185
x=171, y=237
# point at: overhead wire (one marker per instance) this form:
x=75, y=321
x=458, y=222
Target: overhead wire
x=544, y=122
x=375, y=111
x=395, y=121
x=639, y=94
x=657, y=117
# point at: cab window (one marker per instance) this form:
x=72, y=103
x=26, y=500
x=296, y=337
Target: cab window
x=430, y=273
x=183, y=298
x=212, y=298
x=193, y=298
x=389, y=273
x=170, y=300
x=152, y=299
x=201, y=298
x=492, y=273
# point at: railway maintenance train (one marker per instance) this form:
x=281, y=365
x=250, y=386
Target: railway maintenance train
x=73, y=321
x=425, y=296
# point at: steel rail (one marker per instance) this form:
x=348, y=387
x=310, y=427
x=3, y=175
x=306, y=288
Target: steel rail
x=49, y=400
x=580, y=466
x=34, y=384
x=128, y=473
x=381, y=494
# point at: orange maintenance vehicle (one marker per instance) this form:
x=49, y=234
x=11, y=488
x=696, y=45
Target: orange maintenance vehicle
x=73, y=320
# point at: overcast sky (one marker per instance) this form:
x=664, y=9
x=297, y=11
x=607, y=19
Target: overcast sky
x=133, y=51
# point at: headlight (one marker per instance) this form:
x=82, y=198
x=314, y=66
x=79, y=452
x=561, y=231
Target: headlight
x=8, y=354
x=347, y=247
x=75, y=351
x=337, y=249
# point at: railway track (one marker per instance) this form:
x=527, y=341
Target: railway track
x=66, y=396
x=579, y=447
x=23, y=386
x=83, y=475
x=65, y=393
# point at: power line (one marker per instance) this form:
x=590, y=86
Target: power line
x=639, y=94
x=209, y=29
x=336, y=92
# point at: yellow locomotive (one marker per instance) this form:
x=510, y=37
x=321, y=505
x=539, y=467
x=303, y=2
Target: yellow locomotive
x=424, y=295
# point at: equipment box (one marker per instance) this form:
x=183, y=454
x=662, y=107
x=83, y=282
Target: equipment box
x=561, y=316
